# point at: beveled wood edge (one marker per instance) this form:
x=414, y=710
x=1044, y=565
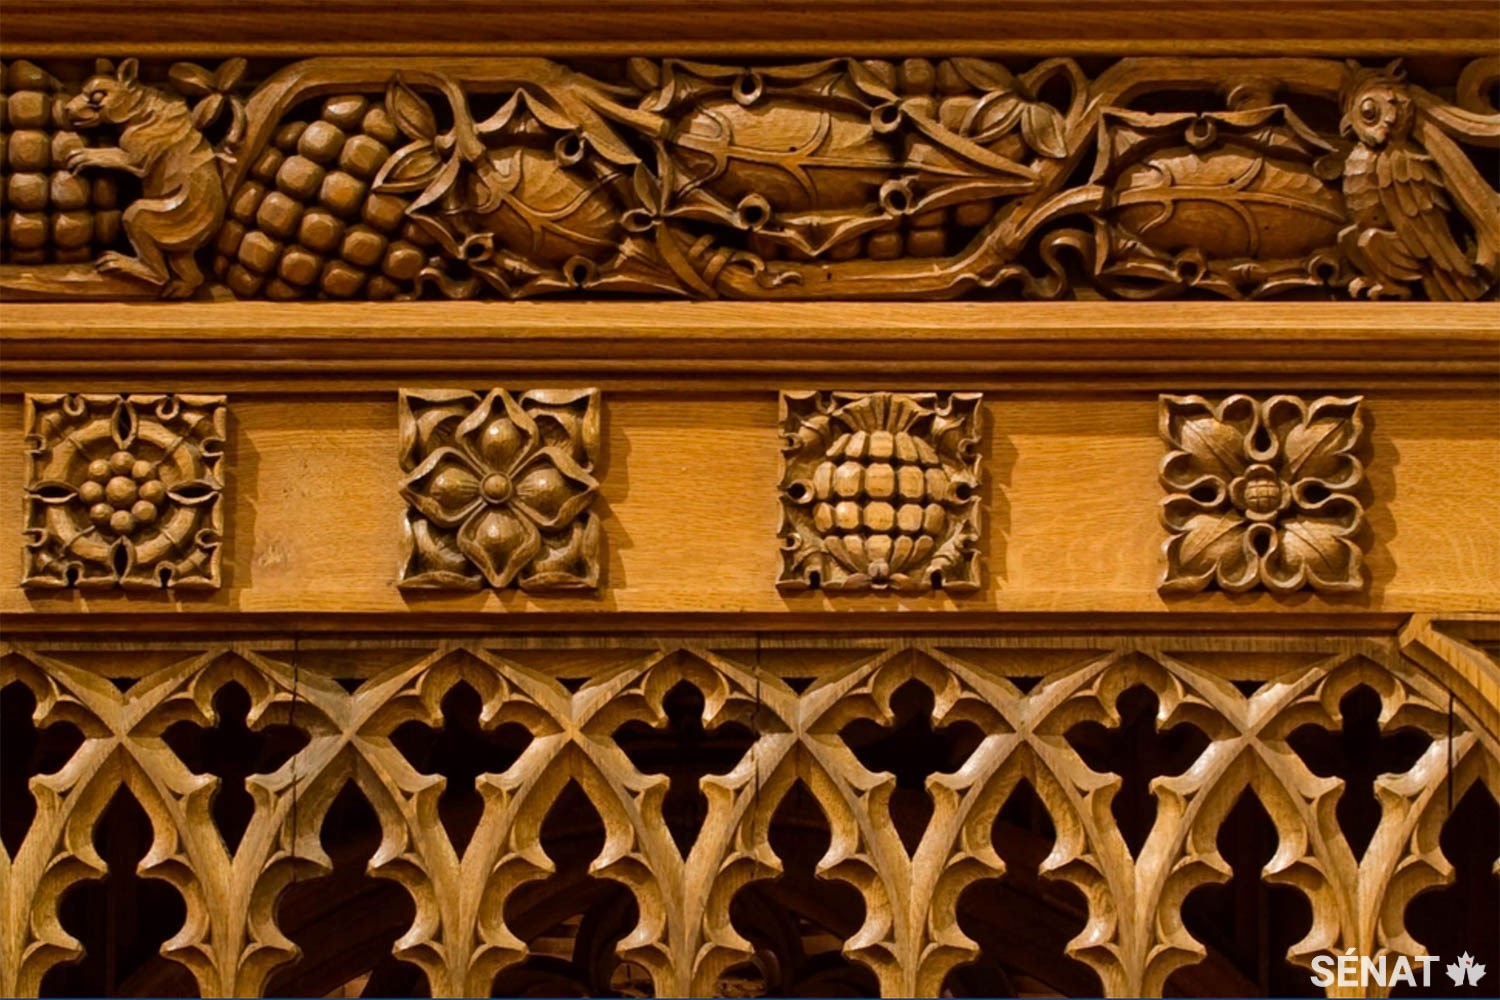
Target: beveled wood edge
x=631, y=346
x=747, y=27
x=583, y=629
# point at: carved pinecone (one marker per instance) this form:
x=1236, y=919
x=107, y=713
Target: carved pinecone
x=304, y=223
x=49, y=215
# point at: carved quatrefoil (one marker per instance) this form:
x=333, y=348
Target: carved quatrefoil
x=123, y=490
x=499, y=488
x=879, y=491
x=1262, y=494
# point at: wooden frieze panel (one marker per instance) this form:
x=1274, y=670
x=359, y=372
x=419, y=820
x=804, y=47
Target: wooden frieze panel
x=840, y=178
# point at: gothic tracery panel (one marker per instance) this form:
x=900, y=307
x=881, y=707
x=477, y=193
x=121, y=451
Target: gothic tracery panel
x=554, y=721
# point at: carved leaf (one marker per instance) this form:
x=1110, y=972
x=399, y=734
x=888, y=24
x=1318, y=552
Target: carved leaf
x=984, y=74
x=410, y=168
x=1042, y=127
x=192, y=79
x=410, y=110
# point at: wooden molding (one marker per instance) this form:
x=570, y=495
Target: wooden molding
x=744, y=27
x=323, y=348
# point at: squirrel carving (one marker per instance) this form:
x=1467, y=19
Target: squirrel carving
x=182, y=199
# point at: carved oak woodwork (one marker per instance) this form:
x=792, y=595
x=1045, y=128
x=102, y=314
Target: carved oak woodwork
x=985, y=698
x=499, y=488
x=1262, y=493
x=124, y=491
x=572, y=712
x=880, y=491
x=837, y=178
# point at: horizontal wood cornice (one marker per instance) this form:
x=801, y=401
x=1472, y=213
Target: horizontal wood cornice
x=337, y=347
x=741, y=27
x=582, y=630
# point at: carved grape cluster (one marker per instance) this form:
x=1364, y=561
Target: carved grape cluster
x=305, y=224
x=50, y=214
x=123, y=492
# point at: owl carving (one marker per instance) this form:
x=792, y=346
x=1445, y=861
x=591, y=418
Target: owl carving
x=1397, y=200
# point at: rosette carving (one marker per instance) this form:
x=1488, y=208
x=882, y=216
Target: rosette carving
x=879, y=491
x=1262, y=493
x=123, y=490
x=499, y=488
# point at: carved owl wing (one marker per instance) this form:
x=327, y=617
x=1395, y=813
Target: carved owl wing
x=1411, y=192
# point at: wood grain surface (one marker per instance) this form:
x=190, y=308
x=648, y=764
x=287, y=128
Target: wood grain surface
x=1082, y=346
x=688, y=498
x=785, y=27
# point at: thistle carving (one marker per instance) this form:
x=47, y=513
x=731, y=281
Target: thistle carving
x=838, y=178
x=123, y=491
x=498, y=487
x=1262, y=494
x=879, y=491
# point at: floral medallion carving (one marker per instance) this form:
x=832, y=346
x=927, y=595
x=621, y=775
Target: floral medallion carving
x=123, y=491
x=499, y=487
x=1262, y=494
x=879, y=491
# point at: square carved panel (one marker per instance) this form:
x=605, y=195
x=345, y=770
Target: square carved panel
x=498, y=487
x=879, y=491
x=1262, y=493
x=123, y=491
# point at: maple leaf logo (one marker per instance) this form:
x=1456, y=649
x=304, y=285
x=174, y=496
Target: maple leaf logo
x=1465, y=968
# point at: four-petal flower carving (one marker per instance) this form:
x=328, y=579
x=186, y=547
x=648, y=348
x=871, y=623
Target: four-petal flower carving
x=1262, y=493
x=499, y=488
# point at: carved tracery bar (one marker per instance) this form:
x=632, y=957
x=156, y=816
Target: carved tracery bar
x=845, y=178
x=780, y=723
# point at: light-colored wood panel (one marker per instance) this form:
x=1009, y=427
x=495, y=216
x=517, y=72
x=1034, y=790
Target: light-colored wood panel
x=689, y=505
